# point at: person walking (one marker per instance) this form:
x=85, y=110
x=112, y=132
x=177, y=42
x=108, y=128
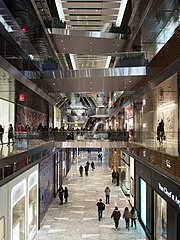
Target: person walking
x=113, y=176
x=117, y=178
x=107, y=193
x=116, y=214
x=81, y=170
x=10, y=134
x=101, y=208
x=86, y=170
x=133, y=215
x=126, y=216
x=61, y=194
x=88, y=163
x=1, y=134
x=66, y=194
x=92, y=166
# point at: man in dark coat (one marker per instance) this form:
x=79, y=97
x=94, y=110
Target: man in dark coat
x=61, y=194
x=116, y=216
x=101, y=207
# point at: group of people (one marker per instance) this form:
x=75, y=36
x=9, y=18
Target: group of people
x=86, y=168
x=116, y=214
x=63, y=194
x=10, y=134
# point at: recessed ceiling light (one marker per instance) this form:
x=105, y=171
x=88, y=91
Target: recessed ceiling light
x=90, y=50
x=54, y=83
x=118, y=45
x=125, y=87
x=64, y=48
x=129, y=80
x=62, y=41
x=90, y=88
x=90, y=43
x=90, y=82
x=58, y=89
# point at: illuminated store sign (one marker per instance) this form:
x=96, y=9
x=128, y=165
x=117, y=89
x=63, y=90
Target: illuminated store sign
x=169, y=194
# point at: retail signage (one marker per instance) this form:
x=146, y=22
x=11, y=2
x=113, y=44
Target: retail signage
x=21, y=97
x=169, y=193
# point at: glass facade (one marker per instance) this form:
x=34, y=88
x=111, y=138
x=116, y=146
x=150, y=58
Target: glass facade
x=143, y=200
x=160, y=217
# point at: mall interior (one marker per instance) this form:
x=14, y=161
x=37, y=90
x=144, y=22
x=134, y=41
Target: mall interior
x=81, y=79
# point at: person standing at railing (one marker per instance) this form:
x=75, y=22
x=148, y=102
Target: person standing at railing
x=1, y=133
x=10, y=134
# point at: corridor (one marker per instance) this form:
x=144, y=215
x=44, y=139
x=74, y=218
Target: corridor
x=78, y=218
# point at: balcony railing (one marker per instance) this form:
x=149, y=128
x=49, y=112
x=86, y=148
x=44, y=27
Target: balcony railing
x=146, y=147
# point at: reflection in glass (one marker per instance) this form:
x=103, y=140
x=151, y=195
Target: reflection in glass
x=18, y=220
x=143, y=200
x=32, y=216
x=160, y=217
x=2, y=226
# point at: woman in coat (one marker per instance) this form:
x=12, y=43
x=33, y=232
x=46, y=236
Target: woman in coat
x=126, y=216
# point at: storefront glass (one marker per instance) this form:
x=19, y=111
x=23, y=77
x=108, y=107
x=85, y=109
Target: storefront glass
x=32, y=217
x=160, y=217
x=2, y=230
x=132, y=181
x=143, y=200
x=18, y=224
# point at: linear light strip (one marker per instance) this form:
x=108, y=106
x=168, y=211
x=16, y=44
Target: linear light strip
x=121, y=12
x=60, y=10
x=73, y=61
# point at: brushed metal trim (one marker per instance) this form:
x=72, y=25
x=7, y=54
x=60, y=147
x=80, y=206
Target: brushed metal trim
x=89, y=73
x=78, y=33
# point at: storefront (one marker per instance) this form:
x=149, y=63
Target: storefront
x=124, y=172
x=158, y=203
x=19, y=207
x=58, y=170
x=46, y=185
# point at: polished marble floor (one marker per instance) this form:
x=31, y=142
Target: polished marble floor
x=78, y=218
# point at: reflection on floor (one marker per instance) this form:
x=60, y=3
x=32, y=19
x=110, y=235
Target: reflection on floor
x=78, y=219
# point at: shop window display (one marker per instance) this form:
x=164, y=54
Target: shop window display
x=160, y=217
x=19, y=220
x=32, y=217
x=2, y=230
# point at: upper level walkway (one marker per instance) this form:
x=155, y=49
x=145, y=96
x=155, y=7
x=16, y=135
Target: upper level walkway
x=78, y=219
x=165, y=157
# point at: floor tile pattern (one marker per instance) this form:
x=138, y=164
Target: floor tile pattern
x=78, y=220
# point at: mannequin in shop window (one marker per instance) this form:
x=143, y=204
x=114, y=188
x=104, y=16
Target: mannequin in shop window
x=160, y=132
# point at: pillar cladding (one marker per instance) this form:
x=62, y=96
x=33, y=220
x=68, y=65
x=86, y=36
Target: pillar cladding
x=178, y=87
